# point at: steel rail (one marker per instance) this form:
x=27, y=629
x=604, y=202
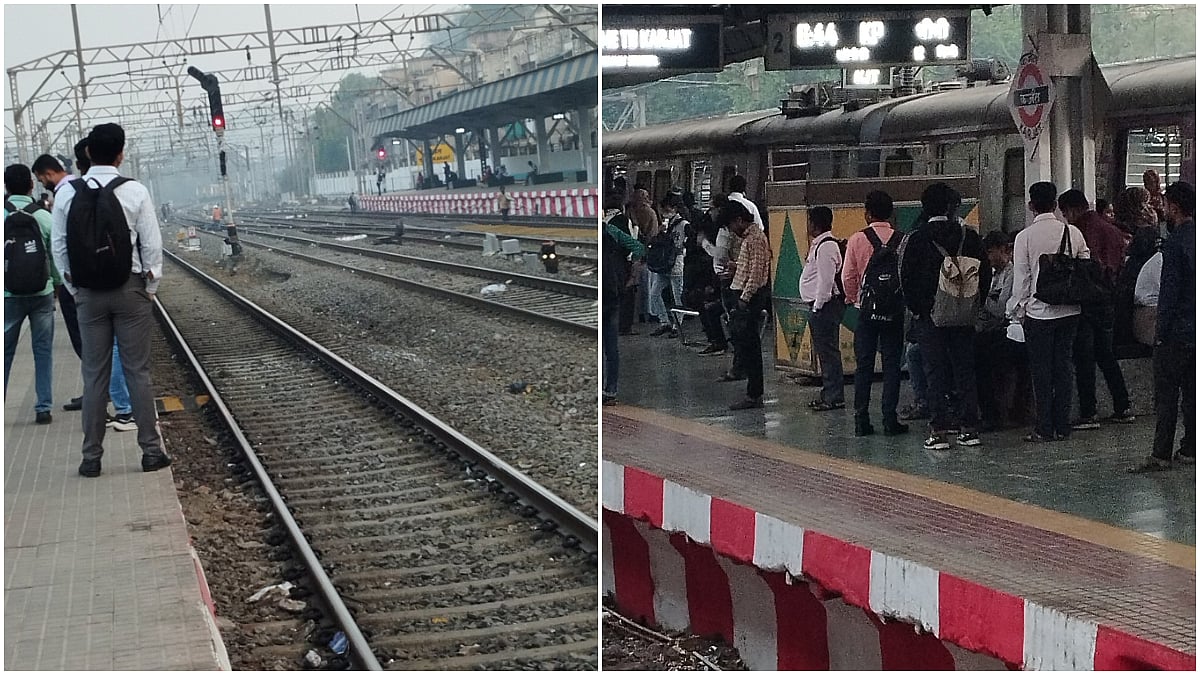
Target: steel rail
x=579, y=528
x=554, y=285
x=360, y=650
x=583, y=328
x=490, y=219
x=325, y=218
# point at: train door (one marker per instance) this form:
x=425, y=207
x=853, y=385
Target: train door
x=662, y=185
x=1016, y=212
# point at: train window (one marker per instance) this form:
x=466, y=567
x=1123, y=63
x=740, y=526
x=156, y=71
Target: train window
x=788, y=164
x=955, y=159
x=701, y=184
x=1158, y=148
x=662, y=185
x=898, y=163
x=1015, y=209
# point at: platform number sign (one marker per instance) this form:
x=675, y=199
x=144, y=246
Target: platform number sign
x=867, y=41
x=1030, y=99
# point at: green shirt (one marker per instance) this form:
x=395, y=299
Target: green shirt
x=45, y=222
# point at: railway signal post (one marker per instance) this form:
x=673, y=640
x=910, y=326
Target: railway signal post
x=217, y=113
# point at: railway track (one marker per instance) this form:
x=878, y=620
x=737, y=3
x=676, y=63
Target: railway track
x=562, y=303
x=425, y=549
x=489, y=219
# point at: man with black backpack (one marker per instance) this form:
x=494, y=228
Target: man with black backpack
x=107, y=243
x=30, y=278
x=944, y=277
x=821, y=288
x=871, y=278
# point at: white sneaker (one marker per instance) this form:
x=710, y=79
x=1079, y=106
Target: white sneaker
x=123, y=422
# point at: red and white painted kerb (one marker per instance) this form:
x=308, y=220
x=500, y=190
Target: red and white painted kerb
x=796, y=599
x=575, y=203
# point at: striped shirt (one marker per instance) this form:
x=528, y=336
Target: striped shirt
x=753, y=264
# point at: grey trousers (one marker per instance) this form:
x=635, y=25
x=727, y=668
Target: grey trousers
x=127, y=313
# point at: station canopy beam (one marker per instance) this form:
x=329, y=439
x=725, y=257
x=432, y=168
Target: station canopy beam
x=566, y=85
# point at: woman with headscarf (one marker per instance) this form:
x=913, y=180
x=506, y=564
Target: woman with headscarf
x=1137, y=218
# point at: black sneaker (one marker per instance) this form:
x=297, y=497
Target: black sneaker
x=747, y=404
x=712, y=349
x=937, y=442
x=89, y=468
x=661, y=330
x=44, y=417
x=74, y=404
x=894, y=428
x=122, y=422
x=154, y=463
x=863, y=428
x=969, y=439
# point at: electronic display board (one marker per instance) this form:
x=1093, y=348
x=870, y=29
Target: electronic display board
x=660, y=44
x=866, y=41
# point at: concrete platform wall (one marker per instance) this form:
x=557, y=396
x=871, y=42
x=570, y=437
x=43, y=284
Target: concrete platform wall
x=573, y=203
x=788, y=598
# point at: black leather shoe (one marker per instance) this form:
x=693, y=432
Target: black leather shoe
x=894, y=428
x=89, y=468
x=74, y=404
x=155, y=463
x=44, y=417
x=863, y=428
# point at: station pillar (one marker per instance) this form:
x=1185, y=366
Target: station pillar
x=460, y=154
x=493, y=137
x=583, y=126
x=481, y=136
x=543, y=143
x=427, y=158
x=1066, y=154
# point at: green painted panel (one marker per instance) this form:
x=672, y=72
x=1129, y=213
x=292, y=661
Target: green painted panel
x=789, y=266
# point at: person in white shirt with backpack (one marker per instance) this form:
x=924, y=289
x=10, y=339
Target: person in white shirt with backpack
x=107, y=244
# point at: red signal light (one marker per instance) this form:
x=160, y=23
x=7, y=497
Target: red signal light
x=381, y=154
x=218, y=121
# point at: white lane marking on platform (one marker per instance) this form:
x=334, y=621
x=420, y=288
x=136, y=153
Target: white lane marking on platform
x=755, y=629
x=778, y=546
x=1055, y=641
x=613, y=486
x=688, y=511
x=905, y=590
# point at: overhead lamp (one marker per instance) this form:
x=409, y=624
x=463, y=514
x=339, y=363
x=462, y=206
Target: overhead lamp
x=560, y=116
x=460, y=130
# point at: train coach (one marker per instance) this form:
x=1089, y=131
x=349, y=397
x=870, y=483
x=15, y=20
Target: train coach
x=963, y=136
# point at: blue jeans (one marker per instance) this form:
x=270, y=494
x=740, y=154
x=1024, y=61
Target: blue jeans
x=658, y=284
x=40, y=310
x=117, y=391
x=612, y=355
x=916, y=375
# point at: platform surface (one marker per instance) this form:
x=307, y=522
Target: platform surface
x=1133, y=582
x=1084, y=476
x=98, y=572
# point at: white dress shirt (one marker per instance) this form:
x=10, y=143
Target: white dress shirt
x=139, y=214
x=750, y=206
x=818, y=281
x=1042, y=236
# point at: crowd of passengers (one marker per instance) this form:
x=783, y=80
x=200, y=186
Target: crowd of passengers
x=985, y=326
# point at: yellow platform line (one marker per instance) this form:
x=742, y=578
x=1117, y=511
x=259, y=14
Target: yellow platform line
x=1116, y=538
x=556, y=233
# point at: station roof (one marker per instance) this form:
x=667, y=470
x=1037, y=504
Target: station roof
x=554, y=88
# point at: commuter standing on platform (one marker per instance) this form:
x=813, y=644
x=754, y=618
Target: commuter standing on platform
x=1175, y=336
x=737, y=193
x=52, y=176
x=114, y=295
x=1094, y=336
x=944, y=276
x=1049, y=329
x=871, y=278
x=30, y=279
x=821, y=289
x=619, y=249
x=751, y=281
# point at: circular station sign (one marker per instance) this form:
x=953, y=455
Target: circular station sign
x=1031, y=96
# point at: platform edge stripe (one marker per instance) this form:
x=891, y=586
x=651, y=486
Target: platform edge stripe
x=981, y=619
x=732, y=529
x=755, y=631
x=778, y=545
x=209, y=609
x=612, y=493
x=838, y=566
x=643, y=495
x=669, y=574
x=1055, y=641
x=1118, y=650
x=904, y=590
x=686, y=510
x=608, y=583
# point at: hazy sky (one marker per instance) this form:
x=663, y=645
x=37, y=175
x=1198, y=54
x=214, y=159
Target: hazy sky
x=32, y=31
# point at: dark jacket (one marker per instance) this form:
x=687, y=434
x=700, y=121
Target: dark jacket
x=921, y=262
x=1177, y=289
x=1105, y=242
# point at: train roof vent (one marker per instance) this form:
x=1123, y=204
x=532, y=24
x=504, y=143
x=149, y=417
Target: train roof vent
x=804, y=100
x=948, y=85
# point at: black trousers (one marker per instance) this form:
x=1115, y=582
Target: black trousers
x=1094, y=347
x=747, y=342
x=67, y=302
x=1002, y=378
x=627, y=300
x=729, y=298
x=826, y=328
x=949, y=355
x=710, y=319
x=1050, y=343
x=1174, y=384
x=887, y=339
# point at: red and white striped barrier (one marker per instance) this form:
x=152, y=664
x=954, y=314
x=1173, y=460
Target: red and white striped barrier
x=690, y=561
x=574, y=203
